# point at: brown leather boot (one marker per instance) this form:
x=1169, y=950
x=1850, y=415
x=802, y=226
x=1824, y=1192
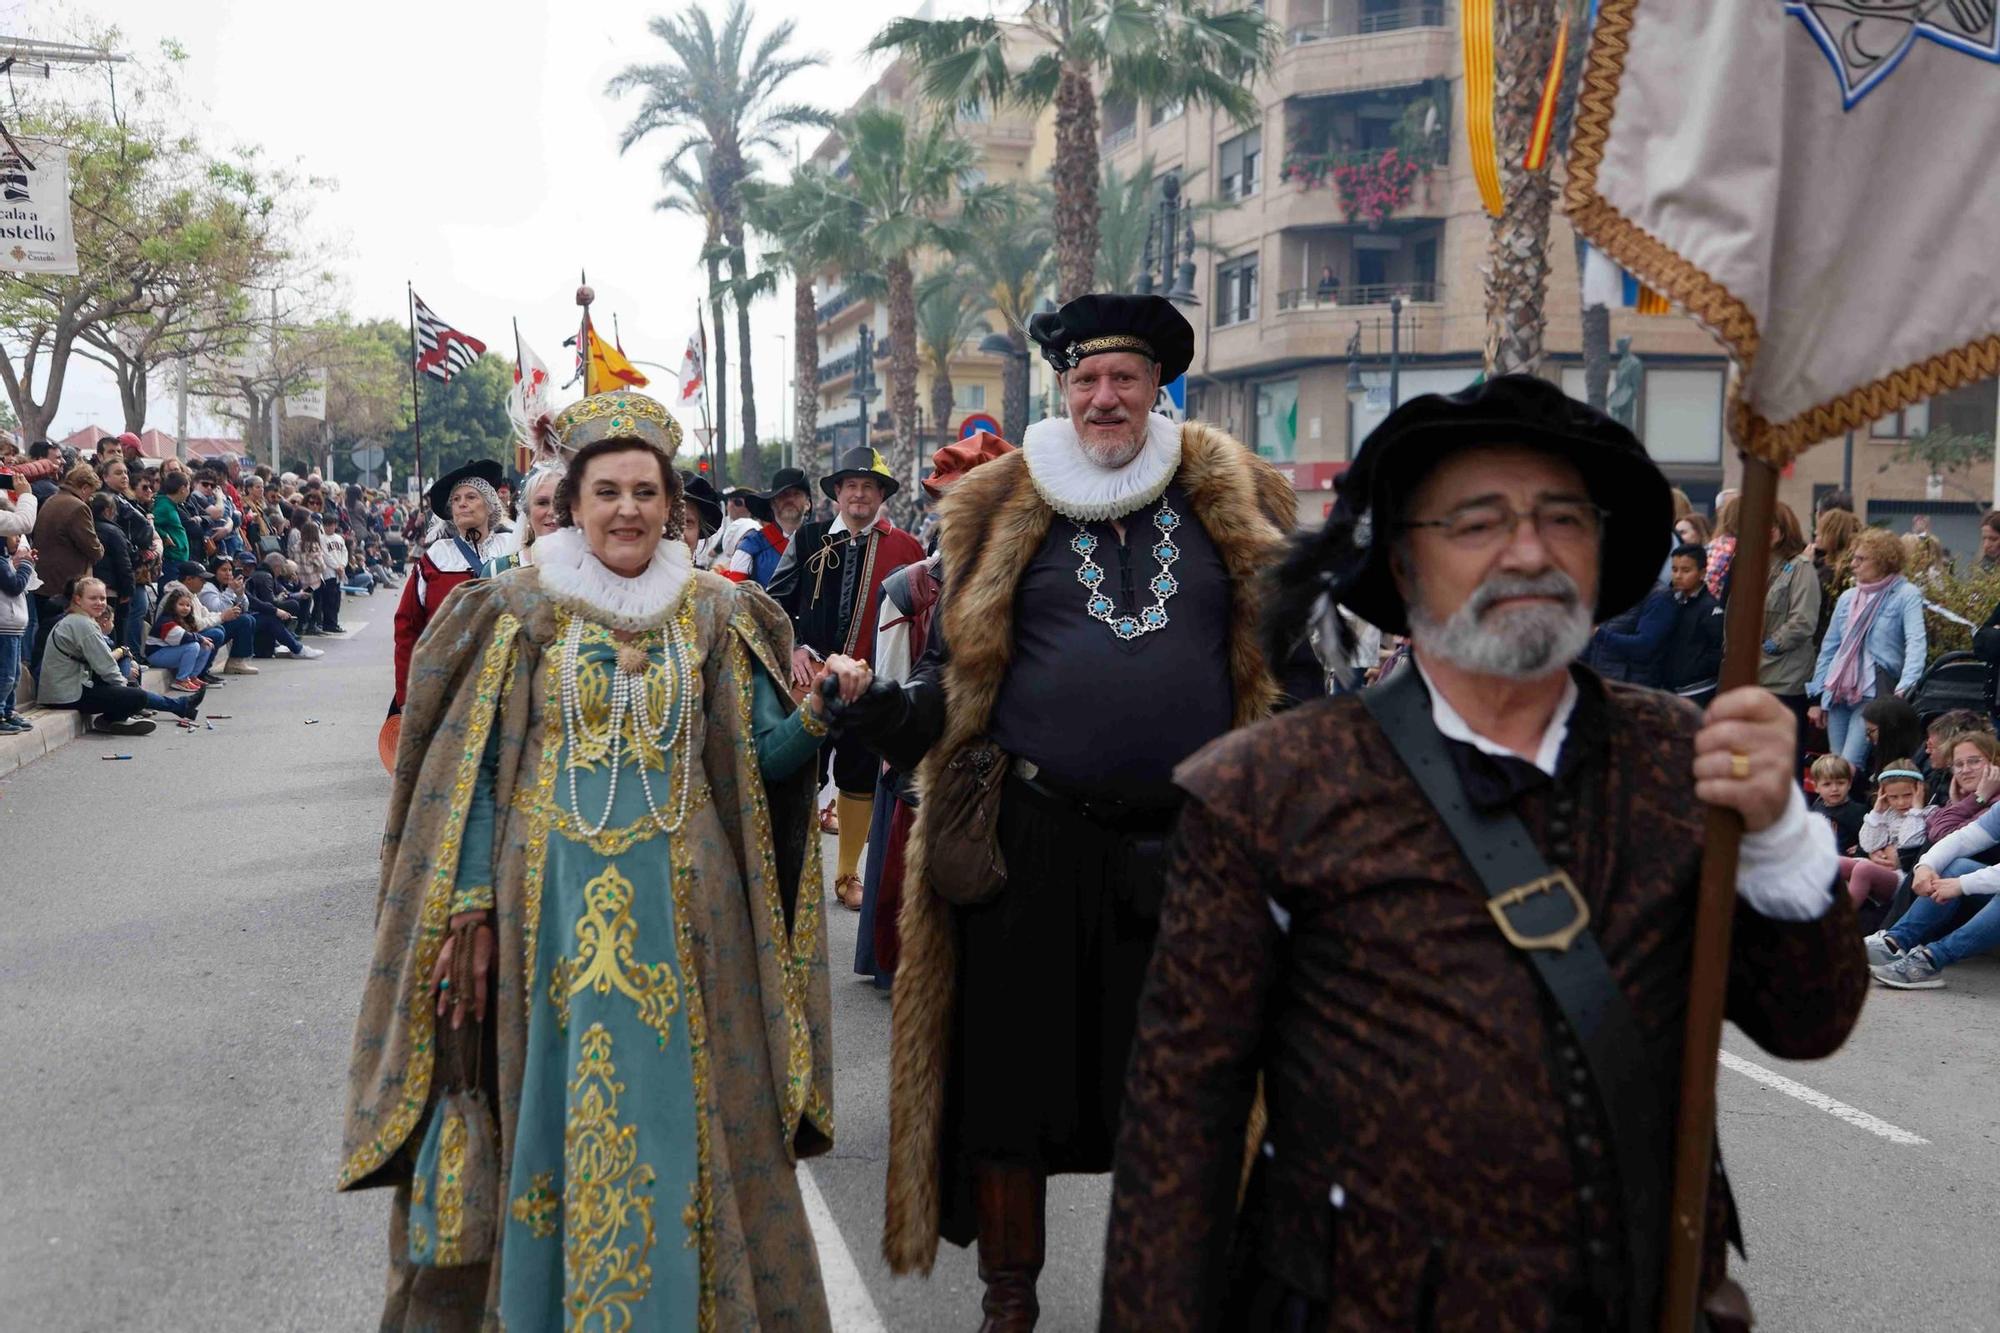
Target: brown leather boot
x=1010, y=1200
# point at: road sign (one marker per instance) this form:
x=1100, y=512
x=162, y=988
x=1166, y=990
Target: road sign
x=976, y=422
x=368, y=457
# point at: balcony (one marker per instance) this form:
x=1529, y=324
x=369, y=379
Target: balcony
x=1354, y=52
x=841, y=367
x=1118, y=138
x=1355, y=298
x=1368, y=24
x=1308, y=198
x=1306, y=329
x=831, y=308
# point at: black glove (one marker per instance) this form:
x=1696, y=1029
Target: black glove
x=881, y=709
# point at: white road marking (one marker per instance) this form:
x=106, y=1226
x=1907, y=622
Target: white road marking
x=1838, y=1109
x=847, y=1298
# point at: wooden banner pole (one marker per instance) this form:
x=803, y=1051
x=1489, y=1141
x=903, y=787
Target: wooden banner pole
x=1708, y=980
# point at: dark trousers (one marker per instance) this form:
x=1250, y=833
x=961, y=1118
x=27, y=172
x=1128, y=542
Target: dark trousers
x=49, y=612
x=854, y=766
x=113, y=703
x=326, y=603
x=272, y=634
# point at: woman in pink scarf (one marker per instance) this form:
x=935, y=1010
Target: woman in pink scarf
x=1875, y=644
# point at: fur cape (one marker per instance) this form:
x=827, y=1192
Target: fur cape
x=993, y=522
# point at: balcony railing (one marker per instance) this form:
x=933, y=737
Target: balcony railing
x=1315, y=298
x=833, y=305
x=842, y=366
x=1367, y=25
x=1121, y=136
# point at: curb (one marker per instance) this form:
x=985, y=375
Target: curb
x=57, y=727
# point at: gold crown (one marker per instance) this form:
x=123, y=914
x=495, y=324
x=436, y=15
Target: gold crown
x=619, y=415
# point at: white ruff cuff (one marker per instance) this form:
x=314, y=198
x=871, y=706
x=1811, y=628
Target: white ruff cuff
x=578, y=580
x=1078, y=488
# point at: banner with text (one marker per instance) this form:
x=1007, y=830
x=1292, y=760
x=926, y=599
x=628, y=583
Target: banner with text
x=35, y=231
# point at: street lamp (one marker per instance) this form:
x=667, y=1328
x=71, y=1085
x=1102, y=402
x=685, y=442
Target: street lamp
x=864, y=390
x=1170, y=236
x=1357, y=392
x=1395, y=351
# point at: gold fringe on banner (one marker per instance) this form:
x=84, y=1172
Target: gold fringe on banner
x=1476, y=26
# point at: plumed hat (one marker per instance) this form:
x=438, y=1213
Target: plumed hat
x=1520, y=410
x=1105, y=322
x=860, y=461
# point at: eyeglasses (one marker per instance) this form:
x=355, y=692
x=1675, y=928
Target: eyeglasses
x=1491, y=525
x=1962, y=765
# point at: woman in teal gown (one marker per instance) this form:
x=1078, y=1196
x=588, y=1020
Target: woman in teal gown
x=602, y=777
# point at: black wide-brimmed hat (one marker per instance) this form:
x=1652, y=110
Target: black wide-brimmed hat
x=1107, y=322
x=700, y=493
x=788, y=479
x=860, y=461
x=753, y=500
x=1518, y=410
x=479, y=469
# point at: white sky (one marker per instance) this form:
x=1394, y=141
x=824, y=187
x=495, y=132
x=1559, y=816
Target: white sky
x=476, y=155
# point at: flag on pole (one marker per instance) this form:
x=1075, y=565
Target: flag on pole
x=532, y=384
x=608, y=367
x=694, y=363
x=442, y=351
x=1775, y=171
x=1606, y=284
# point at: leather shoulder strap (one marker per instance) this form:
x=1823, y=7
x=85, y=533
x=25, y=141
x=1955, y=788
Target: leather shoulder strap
x=1541, y=913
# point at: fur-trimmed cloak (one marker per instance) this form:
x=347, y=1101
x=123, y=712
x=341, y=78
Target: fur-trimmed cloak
x=994, y=521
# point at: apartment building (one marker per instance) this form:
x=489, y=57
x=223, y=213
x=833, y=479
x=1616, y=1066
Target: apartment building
x=1012, y=146
x=1354, y=189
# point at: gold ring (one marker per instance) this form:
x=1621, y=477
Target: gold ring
x=1739, y=766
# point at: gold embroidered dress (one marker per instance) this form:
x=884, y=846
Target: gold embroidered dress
x=660, y=1018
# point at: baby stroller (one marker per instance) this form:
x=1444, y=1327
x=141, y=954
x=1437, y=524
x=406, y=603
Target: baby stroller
x=1955, y=680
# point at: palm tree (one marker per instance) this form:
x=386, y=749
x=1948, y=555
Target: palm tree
x=950, y=309
x=1008, y=260
x=815, y=227
x=905, y=176
x=1595, y=322
x=720, y=91
x=1517, y=268
x=1191, y=51
x=686, y=179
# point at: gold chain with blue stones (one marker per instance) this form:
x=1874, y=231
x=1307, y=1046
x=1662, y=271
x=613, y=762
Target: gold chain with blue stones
x=1163, y=584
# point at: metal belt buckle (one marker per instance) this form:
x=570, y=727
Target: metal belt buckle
x=1558, y=939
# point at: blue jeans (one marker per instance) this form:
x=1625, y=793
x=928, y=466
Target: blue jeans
x=10, y=670
x=1848, y=735
x=186, y=659
x=240, y=634
x=1928, y=918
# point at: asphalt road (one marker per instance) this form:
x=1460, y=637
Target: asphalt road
x=181, y=954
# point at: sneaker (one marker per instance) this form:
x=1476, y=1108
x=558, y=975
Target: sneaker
x=9, y=727
x=186, y=685
x=236, y=668
x=1914, y=969
x=20, y=721
x=1882, y=949
x=210, y=678
x=307, y=654
x=130, y=727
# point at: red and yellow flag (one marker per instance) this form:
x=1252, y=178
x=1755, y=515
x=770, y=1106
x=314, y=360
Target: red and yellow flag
x=608, y=369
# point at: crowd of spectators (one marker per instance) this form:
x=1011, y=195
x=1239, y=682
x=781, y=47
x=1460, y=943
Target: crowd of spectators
x=113, y=561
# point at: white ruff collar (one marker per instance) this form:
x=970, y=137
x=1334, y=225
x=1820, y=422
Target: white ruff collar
x=578, y=580
x=1077, y=488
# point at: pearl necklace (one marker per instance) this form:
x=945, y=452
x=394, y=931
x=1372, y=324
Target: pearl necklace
x=628, y=691
x=1163, y=586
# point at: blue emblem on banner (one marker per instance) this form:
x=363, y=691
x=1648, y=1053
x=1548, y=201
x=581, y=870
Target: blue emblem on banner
x=1864, y=40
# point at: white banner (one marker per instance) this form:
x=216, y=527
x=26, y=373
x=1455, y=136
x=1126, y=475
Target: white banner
x=35, y=231
x=308, y=399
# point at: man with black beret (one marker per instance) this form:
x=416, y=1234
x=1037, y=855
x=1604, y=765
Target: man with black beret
x=1446, y=921
x=1099, y=623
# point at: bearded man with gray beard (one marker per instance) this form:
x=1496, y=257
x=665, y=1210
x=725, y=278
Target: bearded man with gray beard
x=1447, y=921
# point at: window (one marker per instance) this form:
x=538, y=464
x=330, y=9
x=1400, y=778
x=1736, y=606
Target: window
x=1278, y=420
x=1424, y=269
x=1236, y=292
x=968, y=395
x=1914, y=420
x=1241, y=158
x=1121, y=122
x=1371, y=275
x=1162, y=112
x=1682, y=416
x=1963, y=411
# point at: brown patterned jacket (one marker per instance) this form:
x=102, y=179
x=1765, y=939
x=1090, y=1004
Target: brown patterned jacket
x=1427, y=1164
